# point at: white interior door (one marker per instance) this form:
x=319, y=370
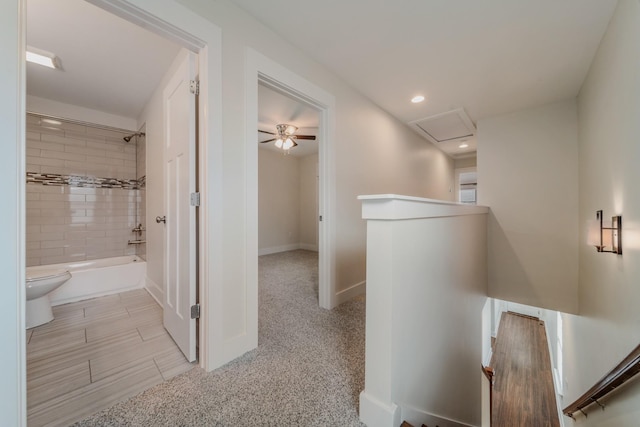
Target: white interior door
x=180, y=181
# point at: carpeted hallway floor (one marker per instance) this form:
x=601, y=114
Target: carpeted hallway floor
x=308, y=369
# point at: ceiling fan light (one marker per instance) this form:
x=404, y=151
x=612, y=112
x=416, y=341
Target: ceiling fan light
x=288, y=143
x=278, y=143
x=290, y=129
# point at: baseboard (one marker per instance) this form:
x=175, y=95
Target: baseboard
x=278, y=249
x=351, y=292
x=375, y=413
x=155, y=291
x=418, y=417
x=309, y=247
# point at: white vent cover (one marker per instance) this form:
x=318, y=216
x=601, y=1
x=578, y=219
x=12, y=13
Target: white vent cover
x=450, y=126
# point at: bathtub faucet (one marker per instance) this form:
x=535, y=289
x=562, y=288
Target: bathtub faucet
x=139, y=229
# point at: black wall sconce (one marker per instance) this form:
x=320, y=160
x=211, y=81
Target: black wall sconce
x=606, y=237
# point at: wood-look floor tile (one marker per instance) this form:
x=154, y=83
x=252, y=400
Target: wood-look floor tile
x=111, y=364
x=63, y=311
x=73, y=355
x=93, y=354
x=136, y=297
x=144, y=310
x=151, y=331
x=133, y=294
x=55, y=342
x=106, y=312
x=172, y=363
x=80, y=403
x=104, y=329
x=62, y=323
x=108, y=299
x=68, y=309
x=28, y=335
x=57, y=383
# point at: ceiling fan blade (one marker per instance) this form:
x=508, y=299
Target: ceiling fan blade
x=311, y=137
x=268, y=140
x=264, y=131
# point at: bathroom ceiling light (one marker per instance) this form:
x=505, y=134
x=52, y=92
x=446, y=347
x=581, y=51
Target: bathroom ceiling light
x=463, y=145
x=42, y=57
x=417, y=99
x=51, y=122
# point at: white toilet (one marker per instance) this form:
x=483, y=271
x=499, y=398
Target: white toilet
x=39, y=284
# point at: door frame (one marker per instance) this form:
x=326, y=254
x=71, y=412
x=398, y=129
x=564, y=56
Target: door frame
x=261, y=69
x=179, y=24
x=191, y=31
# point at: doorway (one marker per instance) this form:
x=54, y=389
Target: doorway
x=201, y=36
x=92, y=212
x=260, y=69
x=287, y=178
x=141, y=81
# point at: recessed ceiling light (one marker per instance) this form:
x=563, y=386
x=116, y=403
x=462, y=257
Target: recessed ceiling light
x=416, y=99
x=42, y=57
x=463, y=145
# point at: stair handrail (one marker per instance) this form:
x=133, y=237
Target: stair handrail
x=622, y=373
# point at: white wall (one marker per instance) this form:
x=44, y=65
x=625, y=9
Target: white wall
x=287, y=202
x=152, y=117
x=278, y=202
x=308, y=167
x=528, y=176
x=373, y=153
x=607, y=328
x=467, y=162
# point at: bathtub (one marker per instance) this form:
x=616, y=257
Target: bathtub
x=94, y=278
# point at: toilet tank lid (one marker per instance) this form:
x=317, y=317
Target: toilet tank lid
x=45, y=274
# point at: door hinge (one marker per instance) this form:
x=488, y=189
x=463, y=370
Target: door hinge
x=195, y=311
x=320, y=218
x=194, y=87
x=195, y=199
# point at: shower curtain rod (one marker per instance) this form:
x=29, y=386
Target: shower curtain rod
x=81, y=123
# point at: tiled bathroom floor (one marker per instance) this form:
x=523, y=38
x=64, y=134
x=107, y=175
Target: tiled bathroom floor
x=96, y=353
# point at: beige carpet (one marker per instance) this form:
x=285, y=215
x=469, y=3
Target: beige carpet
x=308, y=369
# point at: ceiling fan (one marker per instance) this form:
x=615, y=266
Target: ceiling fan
x=285, y=137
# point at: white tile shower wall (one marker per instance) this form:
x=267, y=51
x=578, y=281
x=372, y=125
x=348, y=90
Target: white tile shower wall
x=71, y=223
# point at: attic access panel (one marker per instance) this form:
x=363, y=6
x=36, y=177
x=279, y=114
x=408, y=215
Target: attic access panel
x=449, y=126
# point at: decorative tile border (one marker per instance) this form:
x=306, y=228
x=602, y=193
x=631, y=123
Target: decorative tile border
x=84, y=181
x=142, y=182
